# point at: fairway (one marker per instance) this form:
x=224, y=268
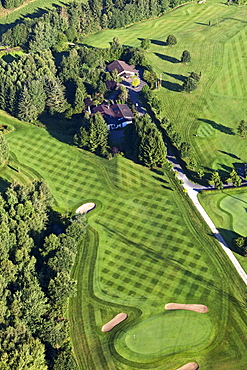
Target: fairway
x=145, y=246
x=165, y=334
x=227, y=209
x=208, y=117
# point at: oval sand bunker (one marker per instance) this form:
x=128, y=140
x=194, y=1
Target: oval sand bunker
x=115, y=321
x=189, y=307
x=189, y=366
x=85, y=208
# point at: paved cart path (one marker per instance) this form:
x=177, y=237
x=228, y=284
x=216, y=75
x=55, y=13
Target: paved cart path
x=193, y=190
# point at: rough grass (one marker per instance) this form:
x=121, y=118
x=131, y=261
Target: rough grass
x=29, y=9
x=219, y=52
x=145, y=247
x=227, y=209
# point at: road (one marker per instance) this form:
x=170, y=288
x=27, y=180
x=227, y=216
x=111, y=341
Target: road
x=192, y=191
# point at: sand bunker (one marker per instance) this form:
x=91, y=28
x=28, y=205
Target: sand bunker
x=115, y=321
x=189, y=366
x=85, y=208
x=190, y=307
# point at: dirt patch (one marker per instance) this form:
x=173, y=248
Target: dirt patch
x=189, y=366
x=115, y=321
x=85, y=208
x=189, y=307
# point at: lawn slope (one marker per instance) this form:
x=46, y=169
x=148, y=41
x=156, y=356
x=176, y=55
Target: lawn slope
x=208, y=117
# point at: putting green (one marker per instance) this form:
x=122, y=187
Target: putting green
x=168, y=333
x=236, y=206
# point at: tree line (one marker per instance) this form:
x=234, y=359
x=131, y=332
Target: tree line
x=73, y=21
x=9, y=4
x=35, y=270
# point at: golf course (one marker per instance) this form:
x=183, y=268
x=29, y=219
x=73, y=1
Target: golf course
x=146, y=245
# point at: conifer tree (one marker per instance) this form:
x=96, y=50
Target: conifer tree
x=55, y=101
x=97, y=133
x=152, y=151
x=26, y=108
x=4, y=149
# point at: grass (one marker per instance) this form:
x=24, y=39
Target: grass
x=30, y=9
x=145, y=247
x=219, y=52
x=167, y=333
x=227, y=209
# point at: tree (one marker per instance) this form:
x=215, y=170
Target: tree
x=135, y=81
x=236, y=180
x=200, y=173
x=190, y=84
x=93, y=134
x=242, y=128
x=97, y=133
x=151, y=77
x=123, y=93
x=55, y=101
x=145, y=44
x=4, y=149
x=185, y=58
x=152, y=150
x=171, y=40
x=240, y=242
x=217, y=180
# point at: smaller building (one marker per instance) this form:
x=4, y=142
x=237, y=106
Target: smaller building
x=123, y=69
x=116, y=115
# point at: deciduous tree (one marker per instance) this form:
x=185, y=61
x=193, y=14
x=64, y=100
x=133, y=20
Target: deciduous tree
x=171, y=40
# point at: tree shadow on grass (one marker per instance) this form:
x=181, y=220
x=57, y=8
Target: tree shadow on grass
x=218, y=126
x=158, y=42
x=171, y=86
x=36, y=14
x=163, y=182
x=167, y=58
x=202, y=24
x=60, y=128
x=4, y=184
x=229, y=236
x=230, y=154
x=177, y=77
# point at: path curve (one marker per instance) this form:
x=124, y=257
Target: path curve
x=192, y=190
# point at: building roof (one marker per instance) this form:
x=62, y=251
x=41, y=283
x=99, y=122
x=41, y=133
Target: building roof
x=121, y=111
x=114, y=112
x=121, y=66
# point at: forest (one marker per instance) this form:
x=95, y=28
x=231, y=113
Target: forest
x=38, y=250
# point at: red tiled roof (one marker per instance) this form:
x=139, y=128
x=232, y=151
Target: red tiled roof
x=115, y=111
x=121, y=66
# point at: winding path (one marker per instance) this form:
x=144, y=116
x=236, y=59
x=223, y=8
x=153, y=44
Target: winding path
x=193, y=190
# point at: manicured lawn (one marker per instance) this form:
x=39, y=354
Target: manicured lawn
x=227, y=209
x=168, y=333
x=219, y=52
x=145, y=247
